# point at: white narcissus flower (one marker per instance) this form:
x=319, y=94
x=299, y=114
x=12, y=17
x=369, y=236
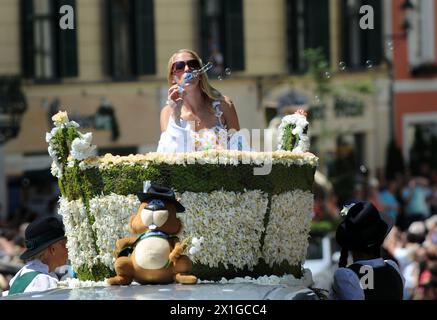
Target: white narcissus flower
x=287, y=279
x=81, y=148
x=60, y=118
x=52, y=152
x=196, y=241
x=228, y=227
x=48, y=137
x=80, y=243
x=54, y=131
x=111, y=215
x=72, y=124
x=56, y=169
x=193, y=250
x=288, y=228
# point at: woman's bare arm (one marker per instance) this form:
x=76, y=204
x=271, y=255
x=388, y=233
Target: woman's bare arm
x=165, y=115
x=230, y=114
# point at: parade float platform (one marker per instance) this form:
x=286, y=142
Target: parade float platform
x=211, y=291
x=253, y=222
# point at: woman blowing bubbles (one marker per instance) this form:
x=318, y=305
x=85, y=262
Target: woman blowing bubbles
x=197, y=117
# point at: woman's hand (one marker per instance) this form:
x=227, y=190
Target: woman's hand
x=302, y=112
x=174, y=96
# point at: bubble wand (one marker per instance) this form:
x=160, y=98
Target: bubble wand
x=189, y=76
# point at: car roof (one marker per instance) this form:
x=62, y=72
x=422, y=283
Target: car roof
x=203, y=291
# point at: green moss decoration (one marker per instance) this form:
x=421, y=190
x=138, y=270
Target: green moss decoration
x=288, y=138
x=124, y=180
x=97, y=272
x=205, y=272
x=61, y=141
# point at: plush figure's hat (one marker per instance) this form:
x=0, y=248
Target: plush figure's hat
x=364, y=227
x=41, y=233
x=151, y=191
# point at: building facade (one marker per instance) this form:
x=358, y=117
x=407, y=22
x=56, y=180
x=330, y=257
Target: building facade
x=116, y=59
x=414, y=71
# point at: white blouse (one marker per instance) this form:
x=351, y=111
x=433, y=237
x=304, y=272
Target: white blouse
x=183, y=138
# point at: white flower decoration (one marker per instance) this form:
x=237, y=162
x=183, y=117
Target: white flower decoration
x=81, y=148
x=300, y=122
x=346, y=209
x=60, y=118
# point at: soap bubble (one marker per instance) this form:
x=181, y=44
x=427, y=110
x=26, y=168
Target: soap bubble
x=327, y=75
x=369, y=64
x=317, y=99
x=342, y=65
x=228, y=71
x=220, y=78
x=363, y=169
x=390, y=45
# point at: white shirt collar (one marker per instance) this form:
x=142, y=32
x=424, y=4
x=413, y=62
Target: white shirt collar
x=378, y=262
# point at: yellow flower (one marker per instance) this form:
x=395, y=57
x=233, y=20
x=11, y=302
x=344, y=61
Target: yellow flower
x=60, y=118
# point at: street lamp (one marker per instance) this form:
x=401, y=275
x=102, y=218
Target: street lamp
x=12, y=106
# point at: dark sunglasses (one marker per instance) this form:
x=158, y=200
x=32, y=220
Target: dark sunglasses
x=192, y=64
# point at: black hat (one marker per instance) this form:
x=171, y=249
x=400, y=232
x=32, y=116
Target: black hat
x=152, y=191
x=364, y=227
x=41, y=233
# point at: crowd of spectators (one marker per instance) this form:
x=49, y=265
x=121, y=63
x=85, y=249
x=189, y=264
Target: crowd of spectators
x=12, y=244
x=411, y=201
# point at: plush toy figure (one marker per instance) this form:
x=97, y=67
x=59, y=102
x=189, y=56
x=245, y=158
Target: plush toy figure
x=156, y=255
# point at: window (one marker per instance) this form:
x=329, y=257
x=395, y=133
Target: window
x=307, y=27
x=421, y=37
x=361, y=48
x=48, y=52
x=222, y=36
x=131, y=38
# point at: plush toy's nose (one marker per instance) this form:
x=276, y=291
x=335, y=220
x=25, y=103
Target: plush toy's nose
x=155, y=205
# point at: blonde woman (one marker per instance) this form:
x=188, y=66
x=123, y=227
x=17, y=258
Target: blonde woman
x=197, y=117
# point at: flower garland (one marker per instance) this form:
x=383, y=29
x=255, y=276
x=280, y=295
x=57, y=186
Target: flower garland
x=74, y=283
x=288, y=228
x=299, y=125
x=288, y=280
x=80, y=243
x=230, y=223
x=226, y=157
x=111, y=215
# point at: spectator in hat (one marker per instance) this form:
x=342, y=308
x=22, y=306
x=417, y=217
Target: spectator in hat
x=46, y=251
x=369, y=277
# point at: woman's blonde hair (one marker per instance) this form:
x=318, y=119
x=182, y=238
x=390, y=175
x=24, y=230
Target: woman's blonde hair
x=206, y=88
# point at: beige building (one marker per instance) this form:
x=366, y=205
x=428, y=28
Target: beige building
x=119, y=49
